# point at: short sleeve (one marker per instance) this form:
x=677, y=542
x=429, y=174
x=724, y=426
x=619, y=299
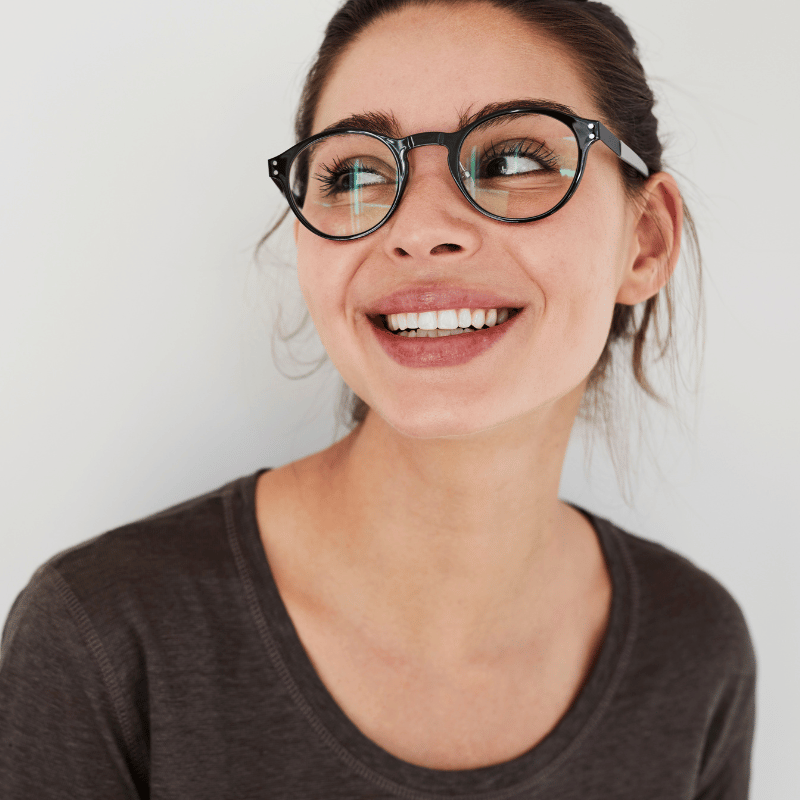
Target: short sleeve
x=61, y=732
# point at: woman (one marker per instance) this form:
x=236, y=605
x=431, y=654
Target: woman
x=413, y=612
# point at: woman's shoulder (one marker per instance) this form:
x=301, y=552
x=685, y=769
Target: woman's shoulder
x=189, y=529
x=132, y=570
x=109, y=633
x=679, y=600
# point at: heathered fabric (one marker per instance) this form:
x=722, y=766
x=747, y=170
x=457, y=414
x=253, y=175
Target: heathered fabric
x=158, y=661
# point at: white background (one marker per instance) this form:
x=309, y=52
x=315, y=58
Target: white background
x=136, y=366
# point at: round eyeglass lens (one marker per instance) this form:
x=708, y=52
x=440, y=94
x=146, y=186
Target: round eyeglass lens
x=344, y=184
x=519, y=165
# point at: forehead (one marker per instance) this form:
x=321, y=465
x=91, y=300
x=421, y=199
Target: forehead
x=430, y=66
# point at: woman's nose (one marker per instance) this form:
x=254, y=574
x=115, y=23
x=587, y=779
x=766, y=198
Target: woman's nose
x=433, y=218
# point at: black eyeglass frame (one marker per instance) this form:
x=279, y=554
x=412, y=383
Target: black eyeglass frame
x=587, y=132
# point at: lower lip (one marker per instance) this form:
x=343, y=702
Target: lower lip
x=442, y=351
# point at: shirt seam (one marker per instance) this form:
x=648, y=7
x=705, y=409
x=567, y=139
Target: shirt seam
x=98, y=653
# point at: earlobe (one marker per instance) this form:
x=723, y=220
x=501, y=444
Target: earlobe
x=658, y=238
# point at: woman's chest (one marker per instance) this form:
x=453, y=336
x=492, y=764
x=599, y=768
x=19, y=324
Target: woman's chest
x=452, y=718
x=443, y=715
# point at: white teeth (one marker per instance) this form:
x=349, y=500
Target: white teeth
x=448, y=320
x=428, y=321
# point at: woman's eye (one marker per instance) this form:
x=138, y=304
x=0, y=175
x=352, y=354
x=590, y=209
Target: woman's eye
x=343, y=177
x=511, y=165
x=511, y=158
x=357, y=179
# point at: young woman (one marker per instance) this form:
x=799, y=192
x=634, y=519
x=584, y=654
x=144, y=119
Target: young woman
x=414, y=612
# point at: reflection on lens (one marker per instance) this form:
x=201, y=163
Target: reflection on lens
x=345, y=184
x=519, y=165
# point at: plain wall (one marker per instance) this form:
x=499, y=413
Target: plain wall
x=136, y=364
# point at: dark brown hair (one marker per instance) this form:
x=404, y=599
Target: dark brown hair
x=605, y=50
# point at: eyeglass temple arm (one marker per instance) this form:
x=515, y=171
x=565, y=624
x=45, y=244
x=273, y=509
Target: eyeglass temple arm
x=623, y=151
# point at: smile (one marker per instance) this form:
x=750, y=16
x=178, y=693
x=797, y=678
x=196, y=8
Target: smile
x=440, y=347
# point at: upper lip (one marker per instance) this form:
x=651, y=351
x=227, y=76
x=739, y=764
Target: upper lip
x=438, y=298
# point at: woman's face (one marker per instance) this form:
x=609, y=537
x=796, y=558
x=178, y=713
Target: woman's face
x=424, y=67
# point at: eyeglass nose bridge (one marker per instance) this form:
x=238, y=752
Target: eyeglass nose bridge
x=422, y=139
x=457, y=170
x=441, y=138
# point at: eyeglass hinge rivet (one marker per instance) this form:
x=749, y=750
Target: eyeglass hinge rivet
x=591, y=125
x=591, y=136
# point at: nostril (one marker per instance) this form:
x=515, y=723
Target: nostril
x=445, y=248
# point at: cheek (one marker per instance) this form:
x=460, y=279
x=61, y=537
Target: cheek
x=307, y=267
x=576, y=258
x=577, y=288
x=580, y=302
x=319, y=271
x=596, y=249
x=324, y=273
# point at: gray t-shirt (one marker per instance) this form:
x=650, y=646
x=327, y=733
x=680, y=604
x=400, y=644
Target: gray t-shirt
x=158, y=661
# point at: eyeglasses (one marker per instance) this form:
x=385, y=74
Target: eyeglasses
x=517, y=165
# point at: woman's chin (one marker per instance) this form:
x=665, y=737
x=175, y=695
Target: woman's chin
x=440, y=423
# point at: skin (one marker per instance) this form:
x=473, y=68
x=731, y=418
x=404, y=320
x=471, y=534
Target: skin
x=435, y=529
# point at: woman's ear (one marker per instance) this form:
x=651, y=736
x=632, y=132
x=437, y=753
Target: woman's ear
x=657, y=232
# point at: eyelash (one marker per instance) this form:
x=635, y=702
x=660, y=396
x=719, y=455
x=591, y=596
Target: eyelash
x=335, y=172
x=541, y=154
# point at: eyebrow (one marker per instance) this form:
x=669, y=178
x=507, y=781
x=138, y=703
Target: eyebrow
x=386, y=124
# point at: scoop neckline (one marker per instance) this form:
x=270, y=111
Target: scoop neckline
x=415, y=782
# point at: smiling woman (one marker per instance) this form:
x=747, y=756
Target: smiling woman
x=414, y=612
x=604, y=52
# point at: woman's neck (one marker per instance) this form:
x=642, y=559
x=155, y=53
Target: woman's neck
x=446, y=548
